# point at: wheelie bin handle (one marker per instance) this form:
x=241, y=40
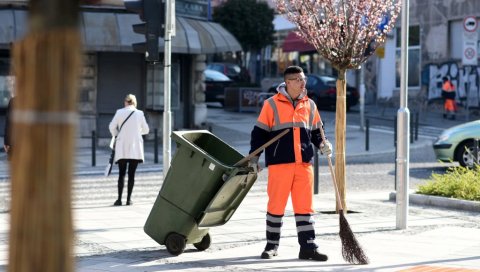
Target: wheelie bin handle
x=258, y=150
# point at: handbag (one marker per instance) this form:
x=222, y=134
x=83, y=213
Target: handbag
x=108, y=169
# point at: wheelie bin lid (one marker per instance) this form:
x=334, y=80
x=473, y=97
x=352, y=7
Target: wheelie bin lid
x=209, y=145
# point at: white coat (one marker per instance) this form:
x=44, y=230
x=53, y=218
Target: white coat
x=129, y=143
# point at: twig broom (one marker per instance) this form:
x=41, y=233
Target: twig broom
x=352, y=252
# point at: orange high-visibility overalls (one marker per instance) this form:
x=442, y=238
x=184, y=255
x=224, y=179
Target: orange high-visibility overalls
x=449, y=104
x=289, y=163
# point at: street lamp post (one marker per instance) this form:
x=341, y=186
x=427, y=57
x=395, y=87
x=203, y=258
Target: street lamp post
x=403, y=121
x=167, y=113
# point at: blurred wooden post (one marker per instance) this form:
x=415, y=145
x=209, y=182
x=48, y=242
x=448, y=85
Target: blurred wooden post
x=340, y=132
x=46, y=64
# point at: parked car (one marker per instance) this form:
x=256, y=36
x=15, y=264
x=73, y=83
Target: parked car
x=215, y=83
x=456, y=143
x=232, y=70
x=322, y=89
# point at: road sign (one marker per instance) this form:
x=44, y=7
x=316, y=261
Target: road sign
x=470, y=24
x=470, y=40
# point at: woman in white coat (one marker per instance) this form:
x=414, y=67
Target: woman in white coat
x=129, y=143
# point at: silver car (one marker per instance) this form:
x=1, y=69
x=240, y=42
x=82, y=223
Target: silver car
x=457, y=143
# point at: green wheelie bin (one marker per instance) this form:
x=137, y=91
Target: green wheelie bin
x=202, y=189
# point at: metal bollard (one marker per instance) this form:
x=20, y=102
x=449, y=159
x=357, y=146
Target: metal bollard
x=94, y=149
x=315, y=171
x=395, y=131
x=411, y=130
x=155, y=145
x=417, y=118
x=367, y=135
x=395, y=145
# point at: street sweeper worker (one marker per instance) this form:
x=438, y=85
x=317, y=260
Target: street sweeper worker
x=288, y=160
x=448, y=94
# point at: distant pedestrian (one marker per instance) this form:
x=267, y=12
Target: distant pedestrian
x=448, y=95
x=290, y=172
x=129, y=144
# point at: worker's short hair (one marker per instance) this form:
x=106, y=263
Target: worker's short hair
x=292, y=70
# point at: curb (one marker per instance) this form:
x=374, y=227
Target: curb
x=442, y=202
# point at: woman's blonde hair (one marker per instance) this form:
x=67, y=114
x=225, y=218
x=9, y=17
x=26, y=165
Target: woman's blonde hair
x=131, y=100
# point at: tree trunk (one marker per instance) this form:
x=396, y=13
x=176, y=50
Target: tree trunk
x=46, y=65
x=340, y=131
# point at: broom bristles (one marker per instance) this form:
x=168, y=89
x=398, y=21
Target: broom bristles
x=352, y=252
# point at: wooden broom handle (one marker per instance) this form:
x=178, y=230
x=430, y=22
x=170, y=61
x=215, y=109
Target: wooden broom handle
x=258, y=150
x=330, y=165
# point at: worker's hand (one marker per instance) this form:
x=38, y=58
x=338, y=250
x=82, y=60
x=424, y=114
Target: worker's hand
x=253, y=163
x=6, y=148
x=326, y=148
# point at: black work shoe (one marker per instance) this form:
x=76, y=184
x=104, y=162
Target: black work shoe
x=118, y=202
x=312, y=254
x=129, y=202
x=268, y=254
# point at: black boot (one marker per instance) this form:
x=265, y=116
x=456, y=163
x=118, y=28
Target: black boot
x=118, y=202
x=312, y=254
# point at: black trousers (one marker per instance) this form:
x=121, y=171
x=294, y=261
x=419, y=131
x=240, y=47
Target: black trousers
x=122, y=169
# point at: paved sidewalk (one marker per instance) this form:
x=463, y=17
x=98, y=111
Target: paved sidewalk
x=112, y=239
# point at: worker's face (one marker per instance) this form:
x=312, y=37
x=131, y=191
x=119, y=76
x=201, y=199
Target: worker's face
x=295, y=84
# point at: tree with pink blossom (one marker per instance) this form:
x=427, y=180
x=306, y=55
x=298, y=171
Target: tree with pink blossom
x=347, y=33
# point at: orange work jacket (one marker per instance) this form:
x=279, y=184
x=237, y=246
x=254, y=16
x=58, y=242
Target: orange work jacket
x=279, y=113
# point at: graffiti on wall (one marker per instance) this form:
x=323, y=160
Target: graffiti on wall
x=465, y=79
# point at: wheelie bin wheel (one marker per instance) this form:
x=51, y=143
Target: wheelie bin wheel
x=175, y=243
x=204, y=244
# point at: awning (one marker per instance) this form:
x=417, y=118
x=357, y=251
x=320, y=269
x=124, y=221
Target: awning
x=108, y=31
x=293, y=43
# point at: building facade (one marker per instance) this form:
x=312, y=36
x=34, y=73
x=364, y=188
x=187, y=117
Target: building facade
x=112, y=69
x=436, y=49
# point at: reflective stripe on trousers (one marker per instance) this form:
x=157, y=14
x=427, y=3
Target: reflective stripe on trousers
x=274, y=226
x=305, y=230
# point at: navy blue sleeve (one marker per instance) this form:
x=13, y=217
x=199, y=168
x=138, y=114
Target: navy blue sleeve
x=258, y=138
x=317, y=137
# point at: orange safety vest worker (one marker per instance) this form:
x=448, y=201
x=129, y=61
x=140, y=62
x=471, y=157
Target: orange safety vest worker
x=449, y=95
x=289, y=162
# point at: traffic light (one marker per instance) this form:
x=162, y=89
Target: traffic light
x=152, y=12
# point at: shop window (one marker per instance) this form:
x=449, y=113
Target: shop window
x=414, y=57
